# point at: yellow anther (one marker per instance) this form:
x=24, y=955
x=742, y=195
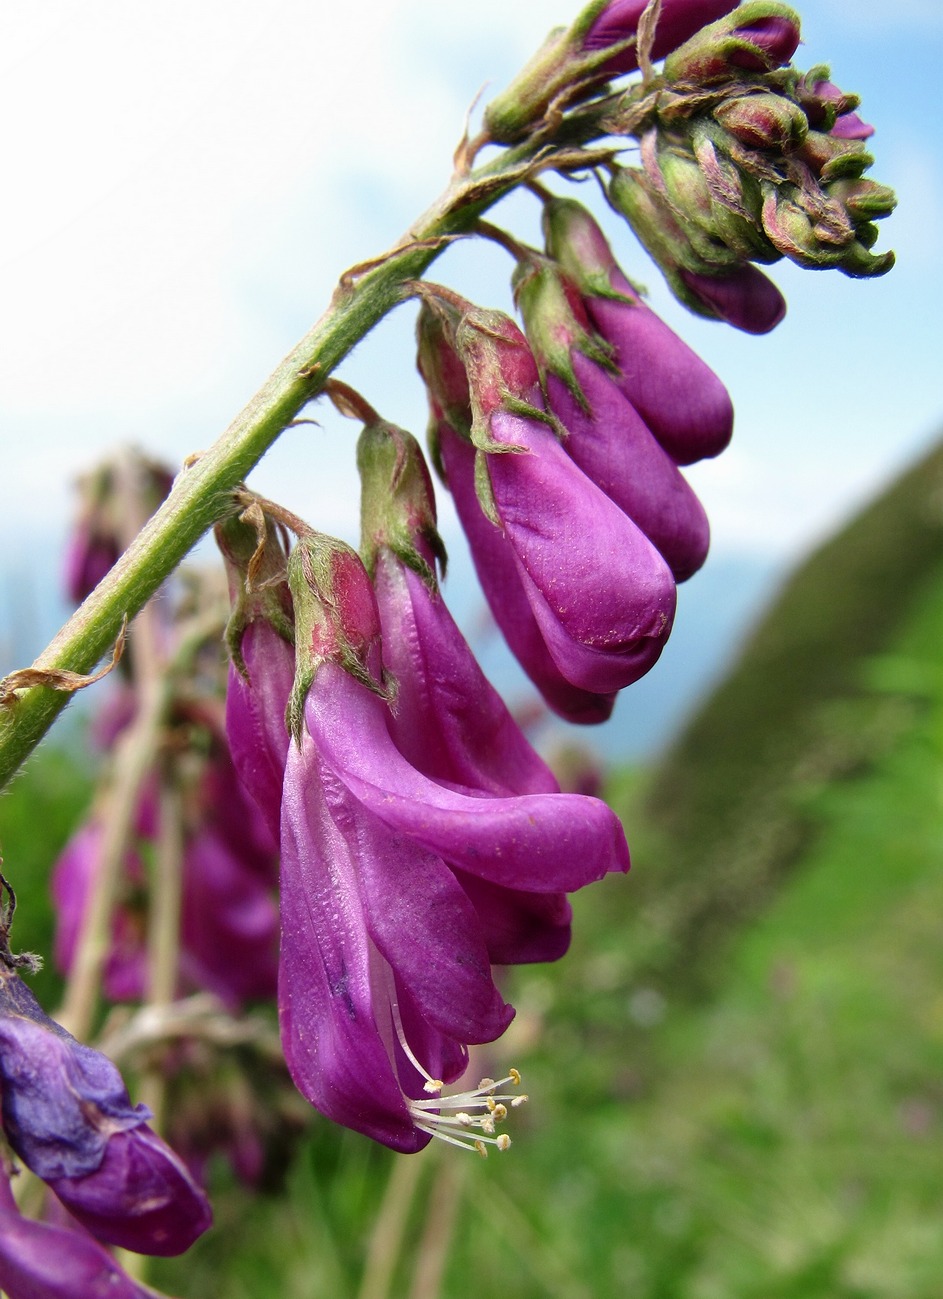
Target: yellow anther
x=487, y=1084
x=518, y=1100
x=482, y=1149
x=498, y=1112
x=491, y=1103
x=515, y=1077
x=433, y=1086
x=466, y=1120
x=503, y=1142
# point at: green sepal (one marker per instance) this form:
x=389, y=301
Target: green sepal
x=397, y=502
x=546, y=300
x=336, y=620
x=256, y=569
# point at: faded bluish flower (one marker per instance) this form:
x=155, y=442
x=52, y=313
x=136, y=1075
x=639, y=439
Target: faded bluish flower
x=40, y=1260
x=66, y=1113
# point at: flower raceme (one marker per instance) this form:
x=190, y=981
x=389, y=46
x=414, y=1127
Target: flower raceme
x=67, y=1115
x=564, y=568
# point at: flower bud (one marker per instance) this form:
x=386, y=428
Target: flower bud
x=757, y=36
x=763, y=121
x=601, y=43
x=397, y=502
x=737, y=293
x=830, y=109
x=678, y=20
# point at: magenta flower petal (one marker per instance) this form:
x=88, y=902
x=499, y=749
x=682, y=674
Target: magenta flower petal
x=679, y=397
x=541, y=842
x=141, y=1197
x=40, y=1261
x=255, y=716
x=449, y=722
x=501, y=582
x=743, y=296
x=679, y=20
x=519, y=927
x=334, y=991
x=603, y=597
x=613, y=446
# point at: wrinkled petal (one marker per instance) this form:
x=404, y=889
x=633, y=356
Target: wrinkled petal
x=613, y=446
x=62, y=1102
x=450, y=722
x=141, y=1197
x=541, y=842
x=39, y=1261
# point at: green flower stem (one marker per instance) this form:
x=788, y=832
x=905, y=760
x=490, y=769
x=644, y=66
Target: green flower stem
x=201, y=492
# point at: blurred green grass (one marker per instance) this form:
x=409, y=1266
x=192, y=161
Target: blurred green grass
x=736, y=1075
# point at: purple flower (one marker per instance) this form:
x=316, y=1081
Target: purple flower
x=683, y=403
x=255, y=716
x=385, y=972
x=678, y=20
x=67, y=1115
x=601, y=596
x=567, y=574
x=613, y=446
x=452, y=725
x=229, y=923
x=41, y=1261
x=757, y=36
x=743, y=296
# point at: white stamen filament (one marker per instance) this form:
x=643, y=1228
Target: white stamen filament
x=472, y=1125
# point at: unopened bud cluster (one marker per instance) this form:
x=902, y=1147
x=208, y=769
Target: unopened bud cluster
x=743, y=160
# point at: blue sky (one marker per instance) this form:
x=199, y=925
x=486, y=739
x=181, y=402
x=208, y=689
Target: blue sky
x=184, y=183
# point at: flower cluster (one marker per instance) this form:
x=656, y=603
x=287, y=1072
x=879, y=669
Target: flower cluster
x=422, y=838
x=745, y=159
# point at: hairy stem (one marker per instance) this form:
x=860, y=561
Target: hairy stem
x=202, y=491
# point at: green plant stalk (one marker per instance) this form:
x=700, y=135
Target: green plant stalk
x=201, y=492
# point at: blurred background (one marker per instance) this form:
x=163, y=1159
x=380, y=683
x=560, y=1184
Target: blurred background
x=735, y=1074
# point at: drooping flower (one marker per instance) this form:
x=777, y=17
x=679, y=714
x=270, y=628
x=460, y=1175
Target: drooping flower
x=66, y=1113
x=605, y=435
x=683, y=403
x=601, y=596
x=385, y=973
x=448, y=721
